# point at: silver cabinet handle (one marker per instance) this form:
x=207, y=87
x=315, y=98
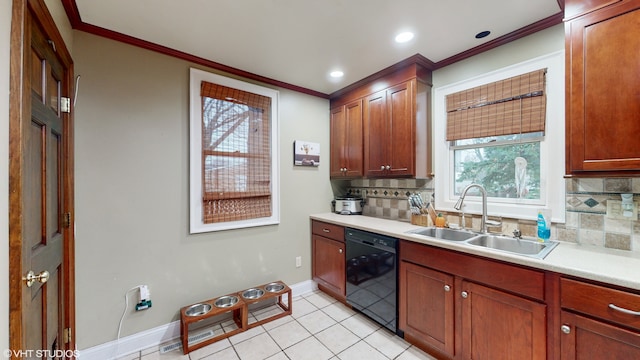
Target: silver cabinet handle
x=326, y=230
x=565, y=329
x=381, y=167
x=465, y=295
x=623, y=310
x=340, y=251
x=447, y=288
x=388, y=167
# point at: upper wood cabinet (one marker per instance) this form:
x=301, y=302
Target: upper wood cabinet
x=346, y=140
x=573, y=8
x=396, y=126
x=602, y=89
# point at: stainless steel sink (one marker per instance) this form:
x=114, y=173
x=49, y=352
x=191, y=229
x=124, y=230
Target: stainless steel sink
x=524, y=247
x=512, y=245
x=445, y=233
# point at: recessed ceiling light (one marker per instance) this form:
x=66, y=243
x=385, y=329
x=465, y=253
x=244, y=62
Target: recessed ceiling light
x=336, y=74
x=482, y=34
x=404, y=37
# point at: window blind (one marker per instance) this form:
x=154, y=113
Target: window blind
x=236, y=151
x=510, y=106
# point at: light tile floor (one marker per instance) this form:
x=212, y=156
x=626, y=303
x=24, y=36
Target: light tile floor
x=319, y=328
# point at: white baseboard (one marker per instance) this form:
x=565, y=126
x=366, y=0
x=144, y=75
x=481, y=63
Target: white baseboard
x=159, y=335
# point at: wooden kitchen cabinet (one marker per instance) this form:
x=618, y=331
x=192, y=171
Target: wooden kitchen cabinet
x=591, y=328
x=427, y=314
x=395, y=123
x=328, y=258
x=602, y=87
x=465, y=307
x=498, y=325
x=389, y=143
x=346, y=141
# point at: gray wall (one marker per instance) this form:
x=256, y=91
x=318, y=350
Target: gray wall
x=132, y=152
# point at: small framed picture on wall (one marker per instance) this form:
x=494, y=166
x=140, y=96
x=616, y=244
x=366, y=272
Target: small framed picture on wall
x=306, y=153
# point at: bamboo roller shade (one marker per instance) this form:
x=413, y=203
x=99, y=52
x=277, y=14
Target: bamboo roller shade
x=510, y=106
x=236, y=139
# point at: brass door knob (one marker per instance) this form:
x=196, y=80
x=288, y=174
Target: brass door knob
x=31, y=277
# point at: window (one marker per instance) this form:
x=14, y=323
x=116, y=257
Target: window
x=495, y=131
x=505, y=131
x=233, y=154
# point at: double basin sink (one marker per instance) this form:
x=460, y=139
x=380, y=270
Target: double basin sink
x=525, y=247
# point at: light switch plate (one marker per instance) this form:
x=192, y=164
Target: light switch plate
x=614, y=210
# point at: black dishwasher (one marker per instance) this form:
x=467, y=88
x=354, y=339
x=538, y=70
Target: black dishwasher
x=372, y=275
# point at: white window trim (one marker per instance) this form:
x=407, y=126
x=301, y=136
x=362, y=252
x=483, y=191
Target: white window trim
x=551, y=148
x=195, y=148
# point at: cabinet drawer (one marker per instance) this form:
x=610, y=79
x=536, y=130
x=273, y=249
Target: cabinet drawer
x=602, y=302
x=331, y=231
x=516, y=279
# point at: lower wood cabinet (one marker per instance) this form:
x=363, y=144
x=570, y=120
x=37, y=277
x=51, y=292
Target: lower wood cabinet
x=497, y=325
x=426, y=313
x=598, y=322
x=451, y=305
x=585, y=338
x=328, y=258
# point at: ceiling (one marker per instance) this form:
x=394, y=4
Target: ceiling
x=299, y=42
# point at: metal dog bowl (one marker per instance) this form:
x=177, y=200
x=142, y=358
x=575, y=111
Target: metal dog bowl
x=252, y=293
x=198, y=309
x=225, y=301
x=274, y=287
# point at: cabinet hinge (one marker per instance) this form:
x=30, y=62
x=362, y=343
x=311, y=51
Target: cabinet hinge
x=66, y=220
x=66, y=335
x=65, y=104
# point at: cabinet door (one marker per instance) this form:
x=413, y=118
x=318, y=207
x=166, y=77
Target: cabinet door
x=376, y=135
x=584, y=338
x=603, y=83
x=426, y=306
x=329, y=264
x=401, y=113
x=353, y=140
x=346, y=140
x=338, y=136
x=497, y=325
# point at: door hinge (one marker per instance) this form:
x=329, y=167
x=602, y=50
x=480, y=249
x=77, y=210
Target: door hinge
x=66, y=220
x=65, y=104
x=66, y=335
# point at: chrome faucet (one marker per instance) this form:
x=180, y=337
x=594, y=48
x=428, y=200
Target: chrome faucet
x=483, y=221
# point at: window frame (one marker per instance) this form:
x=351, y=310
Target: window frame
x=196, y=191
x=551, y=147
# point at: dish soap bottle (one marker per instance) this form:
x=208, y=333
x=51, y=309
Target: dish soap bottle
x=440, y=220
x=544, y=225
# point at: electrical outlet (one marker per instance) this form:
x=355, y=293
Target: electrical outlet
x=615, y=210
x=298, y=261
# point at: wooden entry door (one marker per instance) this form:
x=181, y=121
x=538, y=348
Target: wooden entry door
x=41, y=314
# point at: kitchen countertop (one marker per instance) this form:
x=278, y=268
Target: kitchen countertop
x=617, y=267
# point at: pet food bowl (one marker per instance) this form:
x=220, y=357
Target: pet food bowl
x=274, y=287
x=198, y=309
x=225, y=301
x=252, y=293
